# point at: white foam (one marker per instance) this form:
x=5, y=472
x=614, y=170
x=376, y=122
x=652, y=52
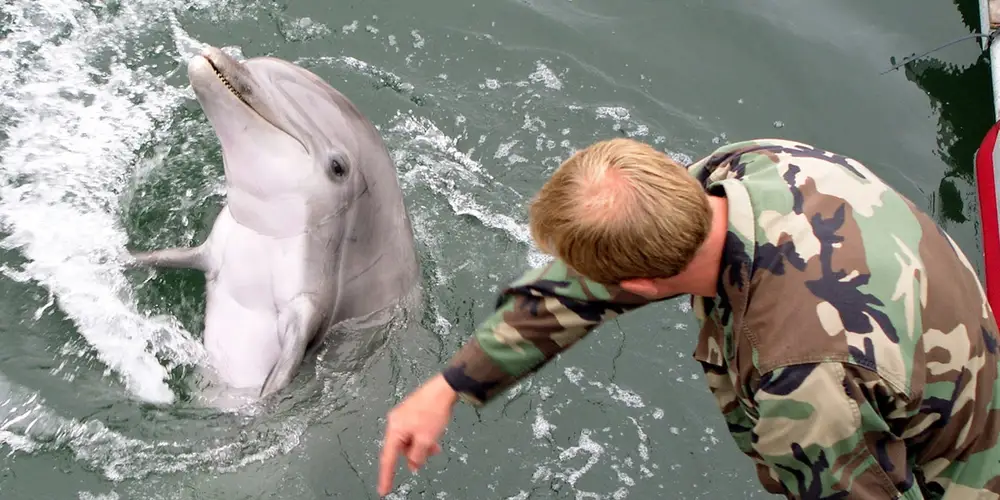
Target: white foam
x=303, y=28
x=27, y=425
x=84, y=495
x=643, y=449
x=585, y=445
x=574, y=374
x=614, y=112
x=69, y=150
x=625, y=396
x=446, y=178
x=541, y=428
x=418, y=41
x=491, y=83
x=546, y=76
x=504, y=149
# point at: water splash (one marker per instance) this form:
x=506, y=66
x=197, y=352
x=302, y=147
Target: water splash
x=72, y=128
x=28, y=425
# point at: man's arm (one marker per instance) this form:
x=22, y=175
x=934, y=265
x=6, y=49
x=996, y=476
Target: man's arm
x=822, y=434
x=539, y=315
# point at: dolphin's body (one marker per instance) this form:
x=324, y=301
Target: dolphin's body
x=314, y=230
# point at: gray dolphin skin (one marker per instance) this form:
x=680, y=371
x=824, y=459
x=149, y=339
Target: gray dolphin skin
x=314, y=229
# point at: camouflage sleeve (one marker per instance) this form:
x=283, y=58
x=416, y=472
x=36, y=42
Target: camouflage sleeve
x=539, y=315
x=823, y=432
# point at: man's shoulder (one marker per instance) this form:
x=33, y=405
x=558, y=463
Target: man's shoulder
x=828, y=284
x=753, y=156
x=841, y=267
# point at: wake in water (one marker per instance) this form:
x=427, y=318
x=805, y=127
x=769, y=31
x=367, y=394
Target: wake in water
x=72, y=130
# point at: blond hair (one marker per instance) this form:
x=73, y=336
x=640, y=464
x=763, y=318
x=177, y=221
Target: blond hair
x=621, y=209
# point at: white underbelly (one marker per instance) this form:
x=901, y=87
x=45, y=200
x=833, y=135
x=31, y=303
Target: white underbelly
x=242, y=343
x=252, y=278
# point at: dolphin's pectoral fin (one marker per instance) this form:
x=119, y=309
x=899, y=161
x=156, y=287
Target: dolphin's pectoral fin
x=297, y=325
x=178, y=257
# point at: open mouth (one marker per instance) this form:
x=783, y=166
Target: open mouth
x=226, y=82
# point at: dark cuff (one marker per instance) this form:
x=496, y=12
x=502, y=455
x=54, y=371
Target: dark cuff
x=474, y=376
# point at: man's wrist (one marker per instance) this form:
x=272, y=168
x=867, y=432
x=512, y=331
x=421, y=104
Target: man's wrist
x=443, y=389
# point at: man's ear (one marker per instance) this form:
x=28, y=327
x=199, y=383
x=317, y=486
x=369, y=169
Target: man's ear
x=644, y=287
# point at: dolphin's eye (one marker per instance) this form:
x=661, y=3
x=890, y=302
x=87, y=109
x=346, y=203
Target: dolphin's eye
x=338, y=168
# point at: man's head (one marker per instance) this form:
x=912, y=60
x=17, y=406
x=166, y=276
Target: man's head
x=619, y=210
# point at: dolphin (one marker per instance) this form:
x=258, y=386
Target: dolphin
x=314, y=230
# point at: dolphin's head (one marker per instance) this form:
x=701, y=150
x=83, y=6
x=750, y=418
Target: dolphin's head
x=296, y=152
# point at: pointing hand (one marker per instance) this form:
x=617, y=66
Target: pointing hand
x=413, y=428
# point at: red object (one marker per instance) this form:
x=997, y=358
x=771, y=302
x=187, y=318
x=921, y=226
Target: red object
x=987, y=190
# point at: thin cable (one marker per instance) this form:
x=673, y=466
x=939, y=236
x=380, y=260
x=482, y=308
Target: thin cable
x=989, y=41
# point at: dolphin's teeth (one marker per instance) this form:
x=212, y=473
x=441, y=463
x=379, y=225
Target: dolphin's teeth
x=225, y=82
x=228, y=85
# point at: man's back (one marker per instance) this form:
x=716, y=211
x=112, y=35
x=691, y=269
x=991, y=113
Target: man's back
x=855, y=334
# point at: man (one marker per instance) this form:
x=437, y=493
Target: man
x=845, y=336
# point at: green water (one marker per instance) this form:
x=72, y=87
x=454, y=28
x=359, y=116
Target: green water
x=103, y=147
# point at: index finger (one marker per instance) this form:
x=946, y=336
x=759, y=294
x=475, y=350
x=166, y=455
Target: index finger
x=387, y=462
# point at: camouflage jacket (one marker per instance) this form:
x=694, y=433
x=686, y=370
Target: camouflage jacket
x=838, y=368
